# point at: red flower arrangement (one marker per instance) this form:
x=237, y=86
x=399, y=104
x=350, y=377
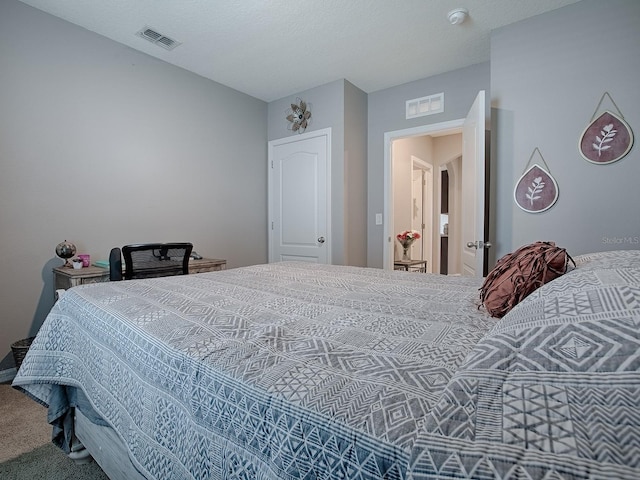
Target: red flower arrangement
x=406, y=239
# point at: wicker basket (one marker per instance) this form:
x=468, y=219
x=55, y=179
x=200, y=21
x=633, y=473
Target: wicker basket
x=20, y=349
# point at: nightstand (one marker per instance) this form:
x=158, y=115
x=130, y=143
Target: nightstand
x=65, y=277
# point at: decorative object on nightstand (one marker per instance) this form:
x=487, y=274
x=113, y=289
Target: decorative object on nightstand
x=86, y=259
x=406, y=239
x=66, y=250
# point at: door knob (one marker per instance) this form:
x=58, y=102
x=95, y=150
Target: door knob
x=472, y=244
x=320, y=239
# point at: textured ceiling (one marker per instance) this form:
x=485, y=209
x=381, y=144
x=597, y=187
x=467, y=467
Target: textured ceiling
x=273, y=48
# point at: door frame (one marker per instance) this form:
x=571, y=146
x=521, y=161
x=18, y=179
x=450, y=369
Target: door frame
x=451, y=126
x=325, y=132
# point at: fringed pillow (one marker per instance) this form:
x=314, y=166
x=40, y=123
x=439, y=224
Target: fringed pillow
x=518, y=274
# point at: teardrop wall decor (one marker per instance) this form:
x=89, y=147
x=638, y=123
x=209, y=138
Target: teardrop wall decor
x=536, y=190
x=606, y=139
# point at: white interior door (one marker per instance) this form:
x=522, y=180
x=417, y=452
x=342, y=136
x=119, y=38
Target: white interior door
x=417, y=212
x=472, y=198
x=299, y=200
x=422, y=210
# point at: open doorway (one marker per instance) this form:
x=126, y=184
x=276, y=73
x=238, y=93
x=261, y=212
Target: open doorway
x=466, y=232
x=425, y=170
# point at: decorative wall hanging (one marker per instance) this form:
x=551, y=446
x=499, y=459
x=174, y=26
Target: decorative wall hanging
x=298, y=116
x=536, y=190
x=607, y=138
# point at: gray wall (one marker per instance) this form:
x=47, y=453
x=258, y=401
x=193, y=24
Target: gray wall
x=102, y=146
x=387, y=114
x=548, y=74
x=545, y=78
x=355, y=175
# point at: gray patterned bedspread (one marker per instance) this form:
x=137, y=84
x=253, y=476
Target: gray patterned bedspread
x=280, y=371
x=553, y=391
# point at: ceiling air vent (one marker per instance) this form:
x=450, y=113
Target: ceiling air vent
x=157, y=38
x=419, y=107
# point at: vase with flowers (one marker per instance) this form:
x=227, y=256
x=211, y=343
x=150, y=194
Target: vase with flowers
x=406, y=239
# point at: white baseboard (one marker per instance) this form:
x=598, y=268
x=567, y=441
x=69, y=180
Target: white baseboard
x=8, y=375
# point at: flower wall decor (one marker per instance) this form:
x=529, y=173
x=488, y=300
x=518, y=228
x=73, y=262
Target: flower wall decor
x=406, y=239
x=298, y=116
x=536, y=190
x=606, y=139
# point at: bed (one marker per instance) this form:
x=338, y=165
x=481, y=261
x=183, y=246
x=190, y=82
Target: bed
x=305, y=371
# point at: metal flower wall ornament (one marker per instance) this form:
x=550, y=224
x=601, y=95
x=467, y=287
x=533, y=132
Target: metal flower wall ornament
x=606, y=139
x=298, y=116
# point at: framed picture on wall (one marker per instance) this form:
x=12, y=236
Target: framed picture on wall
x=536, y=190
x=608, y=138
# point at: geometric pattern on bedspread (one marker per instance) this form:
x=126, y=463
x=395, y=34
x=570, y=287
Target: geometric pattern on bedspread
x=553, y=391
x=278, y=371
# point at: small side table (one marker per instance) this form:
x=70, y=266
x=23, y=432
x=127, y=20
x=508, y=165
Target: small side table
x=411, y=265
x=65, y=277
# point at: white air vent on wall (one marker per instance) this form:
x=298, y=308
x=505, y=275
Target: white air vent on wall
x=157, y=38
x=419, y=107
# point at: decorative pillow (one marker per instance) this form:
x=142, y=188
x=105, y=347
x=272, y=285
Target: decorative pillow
x=519, y=273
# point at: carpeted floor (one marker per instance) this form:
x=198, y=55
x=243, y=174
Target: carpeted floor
x=48, y=463
x=26, y=451
x=23, y=423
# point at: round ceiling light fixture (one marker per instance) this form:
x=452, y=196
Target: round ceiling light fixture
x=457, y=16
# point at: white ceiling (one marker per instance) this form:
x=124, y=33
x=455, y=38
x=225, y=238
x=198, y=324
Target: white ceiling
x=273, y=48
